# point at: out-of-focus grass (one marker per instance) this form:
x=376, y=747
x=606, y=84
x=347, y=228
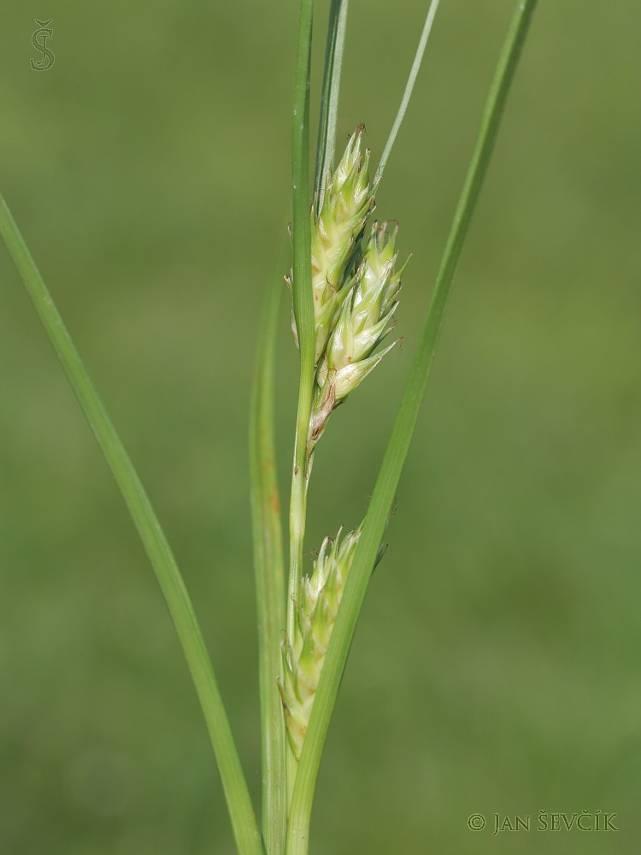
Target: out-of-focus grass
x=496, y=667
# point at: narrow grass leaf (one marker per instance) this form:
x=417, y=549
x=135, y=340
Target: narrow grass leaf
x=409, y=89
x=270, y=580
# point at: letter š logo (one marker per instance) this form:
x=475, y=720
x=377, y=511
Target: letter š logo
x=41, y=34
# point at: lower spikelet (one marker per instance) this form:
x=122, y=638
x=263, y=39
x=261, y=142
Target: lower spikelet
x=316, y=612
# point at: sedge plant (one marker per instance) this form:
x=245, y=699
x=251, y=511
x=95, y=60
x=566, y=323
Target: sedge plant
x=345, y=285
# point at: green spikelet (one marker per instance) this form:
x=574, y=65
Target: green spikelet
x=347, y=202
x=365, y=318
x=316, y=611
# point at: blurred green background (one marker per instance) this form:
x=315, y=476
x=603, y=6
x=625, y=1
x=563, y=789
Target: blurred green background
x=496, y=667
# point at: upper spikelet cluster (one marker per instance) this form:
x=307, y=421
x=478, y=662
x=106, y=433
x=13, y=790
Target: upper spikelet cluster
x=316, y=610
x=355, y=283
x=347, y=202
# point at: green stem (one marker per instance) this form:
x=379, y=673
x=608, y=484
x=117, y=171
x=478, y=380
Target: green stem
x=303, y=304
x=396, y=453
x=270, y=582
x=297, y=518
x=334, y=50
x=158, y=550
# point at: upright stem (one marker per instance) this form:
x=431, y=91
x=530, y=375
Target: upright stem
x=396, y=453
x=334, y=49
x=297, y=519
x=303, y=305
x=153, y=538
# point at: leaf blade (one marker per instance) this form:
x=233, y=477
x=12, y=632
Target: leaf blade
x=409, y=89
x=270, y=579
